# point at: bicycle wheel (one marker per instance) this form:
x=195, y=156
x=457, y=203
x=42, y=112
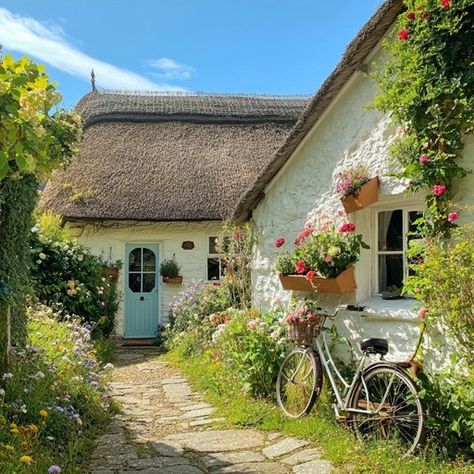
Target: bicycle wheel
x=398, y=413
x=299, y=382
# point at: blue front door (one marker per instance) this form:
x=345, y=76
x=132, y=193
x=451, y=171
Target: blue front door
x=141, y=290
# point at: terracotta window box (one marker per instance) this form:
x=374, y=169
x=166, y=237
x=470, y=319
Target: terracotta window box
x=110, y=273
x=366, y=195
x=178, y=280
x=342, y=284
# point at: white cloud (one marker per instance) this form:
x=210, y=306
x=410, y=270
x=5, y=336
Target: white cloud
x=169, y=69
x=48, y=43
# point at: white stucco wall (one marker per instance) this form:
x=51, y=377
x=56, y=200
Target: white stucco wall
x=108, y=239
x=345, y=135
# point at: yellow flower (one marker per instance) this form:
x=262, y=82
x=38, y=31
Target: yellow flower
x=14, y=430
x=26, y=459
x=9, y=447
x=33, y=428
x=43, y=413
x=52, y=388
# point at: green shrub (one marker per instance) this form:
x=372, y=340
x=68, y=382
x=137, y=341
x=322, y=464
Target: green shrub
x=251, y=346
x=52, y=399
x=169, y=268
x=68, y=277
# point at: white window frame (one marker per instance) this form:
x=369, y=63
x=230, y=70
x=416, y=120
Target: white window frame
x=217, y=256
x=406, y=209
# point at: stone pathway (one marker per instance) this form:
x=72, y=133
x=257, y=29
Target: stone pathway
x=165, y=427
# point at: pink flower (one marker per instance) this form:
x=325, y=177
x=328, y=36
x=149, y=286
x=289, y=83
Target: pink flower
x=341, y=213
x=301, y=267
x=311, y=275
x=347, y=227
x=302, y=235
x=252, y=324
x=422, y=313
x=290, y=319
x=424, y=159
x=275, y=334
x=453, y=216
x=328, y=259
x=439, y=190
x=279, y=242
x=403, y=34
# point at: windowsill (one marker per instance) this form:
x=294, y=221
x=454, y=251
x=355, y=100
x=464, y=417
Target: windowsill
x=401, y=309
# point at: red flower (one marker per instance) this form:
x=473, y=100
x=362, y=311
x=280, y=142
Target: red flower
x=290, y=319
x=301, y=267
x=302, y=235
x=403, y=34
x=422, y=313
x=279, y=242
x=227, y=319
x=439, y=190
x=453, y=216
x=424, y=159
x=347, y=227
x=411, y=15
x=311, y=275
x=445, y=4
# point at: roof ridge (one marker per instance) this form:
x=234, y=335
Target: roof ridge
x=250, y=95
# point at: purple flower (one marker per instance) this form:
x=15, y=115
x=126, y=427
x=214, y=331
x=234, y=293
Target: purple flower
x=54, y=469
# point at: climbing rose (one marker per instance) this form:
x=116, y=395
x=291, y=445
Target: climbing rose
x=411, y=15
x=311, y=275
x=301, y=267
x=347, y=227
x=403, y=34
x=439, y=190
x=424, y=159
x=445, y=4
x=422, y=313
x=453, y=216
x=279, y=242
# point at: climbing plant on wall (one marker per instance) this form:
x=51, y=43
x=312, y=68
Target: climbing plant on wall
x=33, y=141
x=427, y=85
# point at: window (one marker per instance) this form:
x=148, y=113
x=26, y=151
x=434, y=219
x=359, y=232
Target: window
x=395, y=230
x=215, y=267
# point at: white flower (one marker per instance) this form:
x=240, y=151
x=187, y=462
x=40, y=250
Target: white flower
x=80, y=257
x=34, y=229
x=39, y=375
x=7, y=375
x=39, y=261
x=2, y=392
x=108, y=366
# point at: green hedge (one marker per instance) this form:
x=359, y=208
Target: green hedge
x=17, y=201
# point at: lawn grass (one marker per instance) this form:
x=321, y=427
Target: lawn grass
x=338, y=444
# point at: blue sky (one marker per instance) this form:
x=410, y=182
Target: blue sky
x=244, y=46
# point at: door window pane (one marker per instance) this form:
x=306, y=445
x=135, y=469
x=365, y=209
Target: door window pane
x=135, y=282
x=135, y=260
x=391, y=230
x=148, y=282
x=390, y=271
x=149, y=260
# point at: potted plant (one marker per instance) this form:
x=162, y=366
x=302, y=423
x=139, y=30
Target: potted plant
x=169, y=270
x=322, y=260
x=356, y=189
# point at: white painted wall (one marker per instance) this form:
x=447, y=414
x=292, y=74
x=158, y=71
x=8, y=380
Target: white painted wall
x=109, y=239
x=345, y=135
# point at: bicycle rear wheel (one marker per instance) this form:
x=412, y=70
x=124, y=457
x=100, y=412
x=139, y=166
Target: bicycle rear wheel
x=299, y=382
x=397, y=410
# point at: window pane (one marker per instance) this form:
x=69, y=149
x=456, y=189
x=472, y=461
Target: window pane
x=148, y=282
x=212, y=245
x=391, y=230
x=134, y=260
x=390, y=271
x=213, y=269
x=135, y=282
x=148, y=260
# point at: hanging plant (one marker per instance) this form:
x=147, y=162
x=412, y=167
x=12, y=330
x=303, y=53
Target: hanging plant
x=427, y=85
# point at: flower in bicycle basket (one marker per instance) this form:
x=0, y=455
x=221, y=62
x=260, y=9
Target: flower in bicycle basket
x=301, y=267
x=290, y=319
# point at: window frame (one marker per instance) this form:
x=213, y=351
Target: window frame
x=406, y=209
x=217, y=256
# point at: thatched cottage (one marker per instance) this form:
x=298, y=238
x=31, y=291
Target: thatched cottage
x=336, y=132
x=155, y=177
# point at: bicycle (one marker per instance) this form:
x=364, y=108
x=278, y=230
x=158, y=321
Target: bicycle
x=380, y=402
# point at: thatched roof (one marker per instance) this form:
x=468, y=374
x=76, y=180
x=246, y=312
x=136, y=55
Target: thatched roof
x=352, y=61
x=169, y=157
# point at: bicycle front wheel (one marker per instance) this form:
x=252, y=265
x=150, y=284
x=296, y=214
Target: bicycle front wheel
x=299, y=382
x=396, y=410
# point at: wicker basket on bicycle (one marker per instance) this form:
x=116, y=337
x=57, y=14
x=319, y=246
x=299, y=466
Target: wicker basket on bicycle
x=303, y=332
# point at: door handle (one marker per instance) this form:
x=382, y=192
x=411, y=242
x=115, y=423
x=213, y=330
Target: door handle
x=142, y=298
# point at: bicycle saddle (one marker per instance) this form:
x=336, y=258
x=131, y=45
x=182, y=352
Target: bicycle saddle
x=374, y=345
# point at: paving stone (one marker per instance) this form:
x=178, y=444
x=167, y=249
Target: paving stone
x=283, y=447
x=274, y=436
x=224, y=459
x=314, y=467
x=196, y=406
x=254, y=468
x=198, y=413
x=167, y=448
x=205, y=421
x=302, y=456
x=173, y=380
x=216, y=441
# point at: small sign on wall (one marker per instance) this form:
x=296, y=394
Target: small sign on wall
x=187, y=245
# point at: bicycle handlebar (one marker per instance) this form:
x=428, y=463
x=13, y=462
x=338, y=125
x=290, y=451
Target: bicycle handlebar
x=348, y=307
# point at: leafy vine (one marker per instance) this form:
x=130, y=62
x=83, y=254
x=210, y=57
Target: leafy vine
x=427, y=85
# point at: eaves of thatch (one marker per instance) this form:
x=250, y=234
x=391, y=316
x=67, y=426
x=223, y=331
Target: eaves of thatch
x=169, y=157
x=352, y=60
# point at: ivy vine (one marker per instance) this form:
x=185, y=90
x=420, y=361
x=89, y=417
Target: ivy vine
x=427, y=85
